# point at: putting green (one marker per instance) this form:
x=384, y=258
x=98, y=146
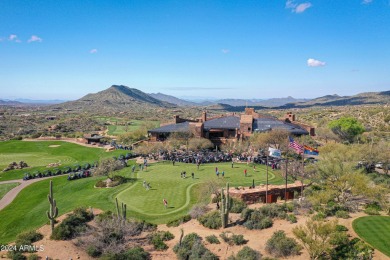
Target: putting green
x=165, y=182
x=34, y=159
x=375, y=230
x=39, y=154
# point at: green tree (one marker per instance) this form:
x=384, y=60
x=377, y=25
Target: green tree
x=107, y=167
x=199, y=143
x=339, y=180
x=276, y=138
x=318, y=237
x=347, y=128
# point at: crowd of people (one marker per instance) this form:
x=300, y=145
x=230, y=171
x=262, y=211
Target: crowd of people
x=207, y=156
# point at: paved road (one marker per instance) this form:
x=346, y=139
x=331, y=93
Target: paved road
x=11, y=195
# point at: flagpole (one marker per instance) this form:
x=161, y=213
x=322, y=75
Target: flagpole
x=303, y=169
x=285, y=193
x=266, y=186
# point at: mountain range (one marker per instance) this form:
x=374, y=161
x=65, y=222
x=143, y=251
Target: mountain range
x=273, y=102
x=367, y=98
x=119, y=98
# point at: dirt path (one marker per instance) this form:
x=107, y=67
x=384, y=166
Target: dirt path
x=11, y=195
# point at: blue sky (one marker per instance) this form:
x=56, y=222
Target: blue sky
x=204, y=48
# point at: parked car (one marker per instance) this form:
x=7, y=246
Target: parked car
x=379, y=165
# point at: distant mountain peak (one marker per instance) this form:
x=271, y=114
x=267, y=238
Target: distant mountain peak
x=117, y=98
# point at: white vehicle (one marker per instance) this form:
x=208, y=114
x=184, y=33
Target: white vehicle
x=379, y=165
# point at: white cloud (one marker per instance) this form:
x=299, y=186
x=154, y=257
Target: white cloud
x=93, y=51
x=34, y=38
x=302, y=7
x=225, y=51
x=12, y=37
x=366, y=2
x=315, y=63
x=290, y=4
x=297, y=8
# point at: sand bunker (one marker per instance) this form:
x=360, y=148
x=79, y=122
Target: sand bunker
x=54, y=145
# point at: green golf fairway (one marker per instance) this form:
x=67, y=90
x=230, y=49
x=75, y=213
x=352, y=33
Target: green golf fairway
x=28, y=210
x=375, y=230
x=6, y=187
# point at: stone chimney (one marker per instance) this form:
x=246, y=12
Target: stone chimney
x=204, y=116
x=289, y=117
x=176, y=119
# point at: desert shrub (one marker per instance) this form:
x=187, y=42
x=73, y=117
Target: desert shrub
x=136, y=253
x=192, y=248
x=27, y=238
x=179, y=221
x=279, y=245
x=16, y=255
x=289, y=207
x=341, y=228
x=158, y=243
x=342, y=214
x=211, y=220
x=246, y=213
x=111, y=236
x=232, y=239
x=104, y=215
x=246, y=253
x=256, y=220
x=273, y=211
x=198, y=210
x=84, y=213
x=157, y=239
x=212, y=239
x=352, y=249
x=23, y=242
x=291, y=218
x=372, y=209
x=72, y=225
x=33, y=257
x=238, y=239
x=166, y=235
x=146, y=226
x=101, y=184
x=237, y=205
x=93, y=251
x=319, y=216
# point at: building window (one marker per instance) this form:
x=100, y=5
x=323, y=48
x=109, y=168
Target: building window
x=249, y=129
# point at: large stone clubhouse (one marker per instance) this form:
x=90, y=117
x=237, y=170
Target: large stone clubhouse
x=231, y=127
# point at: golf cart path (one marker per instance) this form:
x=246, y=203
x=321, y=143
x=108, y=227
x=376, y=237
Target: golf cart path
x=11, y=195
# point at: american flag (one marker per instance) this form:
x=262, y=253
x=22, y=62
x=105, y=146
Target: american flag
x=294, y=145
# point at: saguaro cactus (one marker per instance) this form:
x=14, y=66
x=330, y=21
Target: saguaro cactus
x=121, y=211
x=225, y=206
x=53, y=212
